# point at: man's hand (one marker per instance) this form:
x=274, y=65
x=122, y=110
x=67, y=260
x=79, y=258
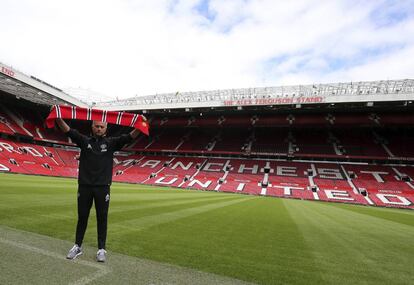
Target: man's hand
x=135, y=132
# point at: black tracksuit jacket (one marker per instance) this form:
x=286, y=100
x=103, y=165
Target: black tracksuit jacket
x=96, y=156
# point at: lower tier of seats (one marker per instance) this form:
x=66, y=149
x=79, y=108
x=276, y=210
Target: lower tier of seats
x=386, y=186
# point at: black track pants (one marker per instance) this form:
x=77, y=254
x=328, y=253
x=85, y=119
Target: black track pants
x=86, y=195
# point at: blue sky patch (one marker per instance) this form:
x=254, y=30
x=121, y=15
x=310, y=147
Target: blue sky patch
x=202, y=8
x=390, y=13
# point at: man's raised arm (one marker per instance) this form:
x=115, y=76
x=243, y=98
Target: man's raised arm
x=62, y=125
x=134, y=133
x=79, y=139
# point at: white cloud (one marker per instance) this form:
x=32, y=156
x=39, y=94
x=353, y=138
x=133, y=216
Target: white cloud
x=123, y=48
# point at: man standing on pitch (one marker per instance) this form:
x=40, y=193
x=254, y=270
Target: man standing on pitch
x=94, y=179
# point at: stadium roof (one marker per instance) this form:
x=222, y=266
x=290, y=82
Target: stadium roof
x=33, y=89
x=365, y=91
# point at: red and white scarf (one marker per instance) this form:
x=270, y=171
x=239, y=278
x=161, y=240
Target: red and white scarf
x=77, y=113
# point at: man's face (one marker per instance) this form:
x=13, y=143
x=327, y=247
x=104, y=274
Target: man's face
x=99, y=128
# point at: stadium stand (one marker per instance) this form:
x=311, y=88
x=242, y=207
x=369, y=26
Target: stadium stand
x=176, y=171
x=312, y=181
x=12, y=121
x=244, y=176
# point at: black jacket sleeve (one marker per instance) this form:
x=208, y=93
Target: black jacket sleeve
x=118, y=142
x=79, y=139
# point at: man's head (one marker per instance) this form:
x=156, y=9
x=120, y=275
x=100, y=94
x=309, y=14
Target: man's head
x=99, y=128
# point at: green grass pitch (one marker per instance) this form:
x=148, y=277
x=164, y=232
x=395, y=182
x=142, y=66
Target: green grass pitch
x=255, y=239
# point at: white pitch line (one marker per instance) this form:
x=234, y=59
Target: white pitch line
x=89, y=278
x=83, y=281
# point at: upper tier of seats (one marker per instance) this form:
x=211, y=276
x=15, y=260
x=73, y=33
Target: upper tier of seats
x=326, y=135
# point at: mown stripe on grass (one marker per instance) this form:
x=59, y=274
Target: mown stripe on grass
x=33, y=207
x=402, y=216
x=156, y=193
x=125, y=207
x=355, y=248
x=135, y=224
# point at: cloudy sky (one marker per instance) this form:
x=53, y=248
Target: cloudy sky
x=124, y=48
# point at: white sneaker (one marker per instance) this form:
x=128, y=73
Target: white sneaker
x=101, y=255
x=74, y=252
